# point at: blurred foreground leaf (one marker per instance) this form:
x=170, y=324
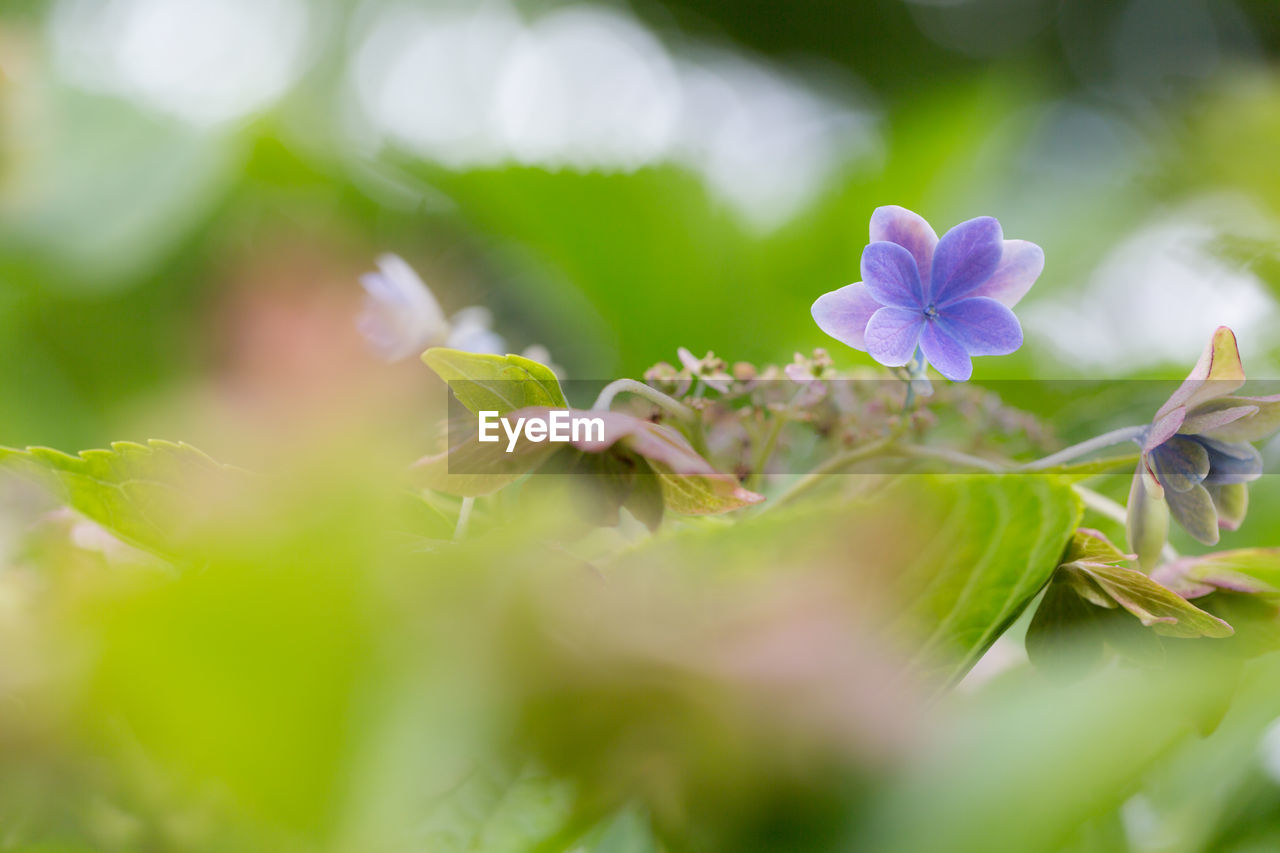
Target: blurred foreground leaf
x=949, y=561
x=144, y=494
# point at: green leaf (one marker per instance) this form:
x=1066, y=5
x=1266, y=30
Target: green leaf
x=1246, y=570
x=626, y=832
x=1062, y=635
x=497, y=810
x=145, y=494
x=1092, y=575
x=945, y=562
x=1156, y=606
x=1093, y=546
x=501, y=383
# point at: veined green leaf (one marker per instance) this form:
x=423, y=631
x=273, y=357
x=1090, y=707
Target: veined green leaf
x=945, y=563
x=1157, y=607
x=145, y=494
x=501, y=383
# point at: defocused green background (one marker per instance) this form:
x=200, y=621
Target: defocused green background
x=189, y=188
x=189, y=192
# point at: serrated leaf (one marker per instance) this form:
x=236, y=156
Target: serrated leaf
x=501, y=383
x=145, y=494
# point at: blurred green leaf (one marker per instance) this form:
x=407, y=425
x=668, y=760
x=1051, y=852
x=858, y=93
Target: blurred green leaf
x=142, y=493
x=501, y=383
x=498, y=810
x=958, y=556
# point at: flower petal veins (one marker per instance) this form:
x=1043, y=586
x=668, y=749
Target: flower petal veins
x=843, y=314
x=982, y=326
x=895, y=224
x=890, y=274
x=1021, y=263
x=945, y=353
x=893, y=334
x=966, y=257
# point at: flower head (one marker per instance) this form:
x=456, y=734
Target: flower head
x=948, y=299
x=402, y=317
x=1196, y=454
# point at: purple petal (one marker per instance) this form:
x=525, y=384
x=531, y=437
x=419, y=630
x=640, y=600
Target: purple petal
x=982, y=326
x=1217, y=373
x=1194, y=510
x=1166, y=426
x=895, y=224
x=891, y=275
x=945, y=353
x=893, y=335
x=1020, y=265
x=1231, y=461
x=966, y=257
x=1180, y=463
x=843, y=314
x=1205, y=419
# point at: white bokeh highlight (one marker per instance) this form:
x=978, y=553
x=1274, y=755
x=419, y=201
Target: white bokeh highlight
x=592, y=89
x=203, y=61
x=1157, y=296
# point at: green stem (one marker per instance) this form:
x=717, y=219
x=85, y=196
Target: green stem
x=653, y=395
x=1075, y=451
x=761, y=458
x=955, y=457
x=833, y=465
x=1110, y=465
x=464, y=516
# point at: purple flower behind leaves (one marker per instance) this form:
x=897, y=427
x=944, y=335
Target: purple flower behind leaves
x=1197, y=456
x=949, y=299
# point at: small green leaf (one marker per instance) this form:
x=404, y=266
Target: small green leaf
x=1092, y=545
x=1156, y=606
x=501, y=383
x=144, y=494
x=1245, y=570
x=701, y=493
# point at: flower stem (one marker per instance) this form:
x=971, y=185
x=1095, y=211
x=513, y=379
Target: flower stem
x=464, y=516
x=762, y=457
x=833, y=465
x=1075, y=451
x=653, y=395
x=955, y=457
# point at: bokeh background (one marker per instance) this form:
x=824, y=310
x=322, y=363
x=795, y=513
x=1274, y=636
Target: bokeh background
x=190, y=188
x=189, y=193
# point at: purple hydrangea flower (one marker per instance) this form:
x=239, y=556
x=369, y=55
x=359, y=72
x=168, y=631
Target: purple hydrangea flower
x=1197, y=453
x=945, y=300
